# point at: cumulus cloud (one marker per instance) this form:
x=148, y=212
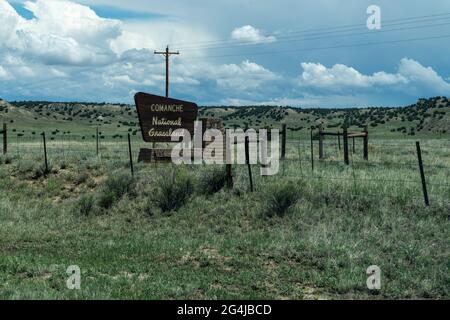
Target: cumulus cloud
x=341, y=76
x=251, y=34
x=423, y=77
x=129, y=41
x=61, y=33
x=68, y=52
x=410, y=74
x=244, y=76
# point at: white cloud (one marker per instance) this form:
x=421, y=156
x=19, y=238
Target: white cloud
x=341, y=76
x=247, y=75
x=410, y=74
x=129, y=40
x=251, y=34
x=123, y=79
x=68, y=52
x=62, y=32
x=424, y=77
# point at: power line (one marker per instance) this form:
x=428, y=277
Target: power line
x=328, y=29
x=321, y=37
x=323, y=48
x=280, y=38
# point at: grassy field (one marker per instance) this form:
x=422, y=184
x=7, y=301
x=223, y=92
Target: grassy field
x=176, y=232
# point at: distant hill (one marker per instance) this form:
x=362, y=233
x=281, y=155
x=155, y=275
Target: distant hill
x=427, y=116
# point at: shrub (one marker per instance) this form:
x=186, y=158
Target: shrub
x=40, y=170
x=173, y=193
x=63, y=164
x=81, y=178
x=280, y=198
x=25, y=167
x=106, y=199
x=85, y=205
x=213, y=180
x=6, y=159
x=115, y=186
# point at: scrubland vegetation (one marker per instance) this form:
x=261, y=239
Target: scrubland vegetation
x=178, y=232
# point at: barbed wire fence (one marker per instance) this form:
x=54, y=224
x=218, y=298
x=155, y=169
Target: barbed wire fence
x=423, y=180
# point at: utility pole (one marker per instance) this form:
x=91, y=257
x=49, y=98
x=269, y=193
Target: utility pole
x=167, y=54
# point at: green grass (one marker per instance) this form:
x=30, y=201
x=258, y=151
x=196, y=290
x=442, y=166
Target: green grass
x=179, y=233
x=335, y=222
x=428, y=118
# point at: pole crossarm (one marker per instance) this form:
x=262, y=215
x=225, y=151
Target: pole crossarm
x=167, y=55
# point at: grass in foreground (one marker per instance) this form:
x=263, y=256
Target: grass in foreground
x=295, y=237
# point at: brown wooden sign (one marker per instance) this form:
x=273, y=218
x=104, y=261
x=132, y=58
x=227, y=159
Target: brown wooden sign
x=160, y=116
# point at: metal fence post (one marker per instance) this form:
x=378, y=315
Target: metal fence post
x=96, y=136
x=283, y=141
x=5, y=138
x=247, y=160
x=131, y=155
x=422, y=174
x=45, y=152
x=312, y=150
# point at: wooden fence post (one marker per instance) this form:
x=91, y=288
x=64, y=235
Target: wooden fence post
x=283, y=141
x=366, y=143
x=345, y=136
x=45, y=153
x=247, y=160
x=312, y=150
x=320, y=141
x=131, y=155
x=5, y=138
x=339, y=140
x=229, y=178
x=422, y=174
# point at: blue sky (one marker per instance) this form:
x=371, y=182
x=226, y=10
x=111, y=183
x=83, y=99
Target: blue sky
x=311, y=53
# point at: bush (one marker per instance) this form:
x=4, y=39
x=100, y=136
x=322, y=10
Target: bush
x=41, y=170
x=32, y=169
x=81, y=178
x=63, y=164
x=106, y=199
x=280, y=198
x=213, y=180
x=115, y=186
x=5, y=159
x=85, y=205
x=173, y=193
x=25, y=167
